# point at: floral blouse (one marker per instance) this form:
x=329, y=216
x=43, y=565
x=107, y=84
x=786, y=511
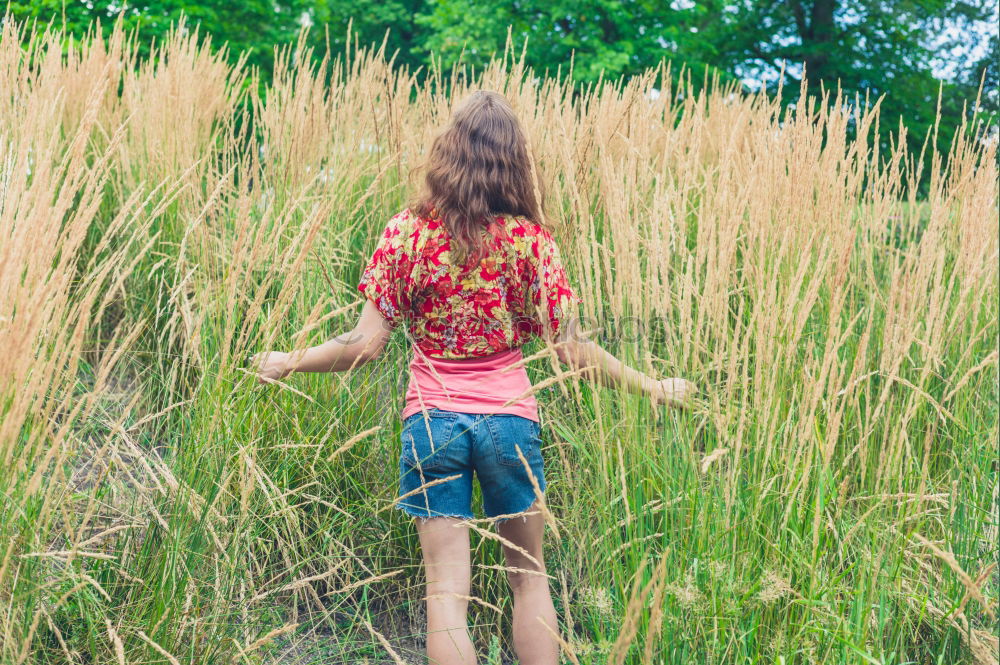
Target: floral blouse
x=519, y=289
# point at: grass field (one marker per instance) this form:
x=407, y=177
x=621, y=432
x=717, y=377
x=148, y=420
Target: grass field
x=831, y=499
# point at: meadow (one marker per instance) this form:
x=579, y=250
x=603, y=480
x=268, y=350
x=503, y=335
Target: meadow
x=830, y=498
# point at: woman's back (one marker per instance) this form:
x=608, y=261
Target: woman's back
x=495, y=301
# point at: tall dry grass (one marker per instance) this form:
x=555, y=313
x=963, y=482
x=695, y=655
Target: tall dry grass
x=833, y=499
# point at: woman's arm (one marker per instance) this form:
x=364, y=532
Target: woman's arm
x=364, y=343
x=609, y=371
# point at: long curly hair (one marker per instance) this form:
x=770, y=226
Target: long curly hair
x=479, y=168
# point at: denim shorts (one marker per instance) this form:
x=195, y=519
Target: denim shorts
x=440, y=453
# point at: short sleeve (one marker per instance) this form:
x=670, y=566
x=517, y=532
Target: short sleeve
x=551, y=299
x=386, y=279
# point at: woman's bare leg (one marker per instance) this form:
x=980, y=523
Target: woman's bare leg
x=533, y=642
x=445, y=545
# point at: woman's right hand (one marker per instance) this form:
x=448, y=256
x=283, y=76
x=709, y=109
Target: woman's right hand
x=674, y=392
x=269, y=365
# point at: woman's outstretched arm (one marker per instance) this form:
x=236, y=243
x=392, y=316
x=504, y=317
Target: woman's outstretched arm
x=353, y=349
x=608, y=370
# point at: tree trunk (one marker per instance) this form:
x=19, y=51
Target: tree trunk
x=817, y=31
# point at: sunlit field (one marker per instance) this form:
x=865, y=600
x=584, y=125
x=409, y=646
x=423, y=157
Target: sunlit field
x=830, y=498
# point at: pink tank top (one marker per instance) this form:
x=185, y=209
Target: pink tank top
x=475, y=385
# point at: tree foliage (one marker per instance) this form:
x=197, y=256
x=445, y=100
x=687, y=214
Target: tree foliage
x=254, y=26
x=865, y=48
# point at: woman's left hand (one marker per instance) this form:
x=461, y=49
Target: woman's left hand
x=270, y=365
x=675, y=392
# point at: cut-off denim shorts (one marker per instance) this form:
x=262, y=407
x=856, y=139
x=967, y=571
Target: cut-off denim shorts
x=441, y=452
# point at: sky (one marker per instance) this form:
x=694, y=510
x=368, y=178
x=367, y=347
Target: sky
x=967, y=51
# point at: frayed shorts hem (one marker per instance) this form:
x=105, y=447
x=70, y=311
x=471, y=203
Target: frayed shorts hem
x=500, y=519
x=420, y=513
x=424, y=516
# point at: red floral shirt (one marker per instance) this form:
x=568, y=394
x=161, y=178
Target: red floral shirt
x=519, y=289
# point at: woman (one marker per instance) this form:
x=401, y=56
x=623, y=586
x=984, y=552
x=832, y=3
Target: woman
x=473, y=275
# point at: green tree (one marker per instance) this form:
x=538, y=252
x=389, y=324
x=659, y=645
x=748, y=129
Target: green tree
x=371, y=22
x=601, y=37
x=254, y=26
x=863, y=47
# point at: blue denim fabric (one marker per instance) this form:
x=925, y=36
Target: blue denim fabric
x=453, y=446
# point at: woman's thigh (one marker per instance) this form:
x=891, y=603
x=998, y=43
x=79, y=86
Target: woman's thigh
x=525, y=534
x=444, y=543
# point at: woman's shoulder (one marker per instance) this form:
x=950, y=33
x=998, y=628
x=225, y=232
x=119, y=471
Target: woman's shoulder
x=524, y=227
x=412, y=221
x=403, y=220
x=418, y=234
